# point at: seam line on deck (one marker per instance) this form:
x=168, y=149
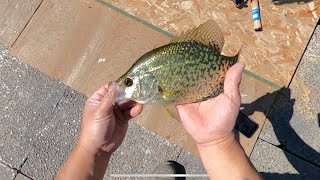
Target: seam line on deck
x=16, y=170
x=14, y=42
x=303, y=54
x=284, y=149
x=177, y=158
x=19, y=168
x=23, y=174
x=264, y=122
x=261, y=79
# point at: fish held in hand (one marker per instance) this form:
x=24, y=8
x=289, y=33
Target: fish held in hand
x=189, y=69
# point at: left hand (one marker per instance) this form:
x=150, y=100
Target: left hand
x=212, y=121
x=104, y=125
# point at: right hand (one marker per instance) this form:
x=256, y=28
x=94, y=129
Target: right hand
x=104, y=125
x=212, y=121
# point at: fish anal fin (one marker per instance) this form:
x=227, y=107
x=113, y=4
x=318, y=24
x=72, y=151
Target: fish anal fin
x=171, y=112
x=207, y=33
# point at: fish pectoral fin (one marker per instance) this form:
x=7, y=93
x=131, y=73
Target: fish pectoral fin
x=207, y=33
x=171, y=112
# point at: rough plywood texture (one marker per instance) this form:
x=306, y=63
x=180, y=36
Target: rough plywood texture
x=85, y=45
x=272, y=54
x=15, y=14
x=315, y=8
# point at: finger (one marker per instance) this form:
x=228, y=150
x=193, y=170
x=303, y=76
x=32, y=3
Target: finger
x=108, y=100
x=187, y=110
x=128, y=105
x=119, y=114
x=232, y=81
x=187, y=115
x=98, y=95
x=134, y=112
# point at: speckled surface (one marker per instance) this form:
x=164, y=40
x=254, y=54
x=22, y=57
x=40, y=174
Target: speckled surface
x=22, y=177
x=273, y=163
x=47, y=136
x=294, y=118
x=141, y=152
x=191, y=163
x=27, y=100
x=58, y=138
x=5, y=172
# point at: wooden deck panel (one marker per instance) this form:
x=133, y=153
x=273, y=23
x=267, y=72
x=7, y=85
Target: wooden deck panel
x=15, y=14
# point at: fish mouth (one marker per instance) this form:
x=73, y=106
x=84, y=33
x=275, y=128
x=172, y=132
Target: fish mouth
x=121, y=97
x=135, y=93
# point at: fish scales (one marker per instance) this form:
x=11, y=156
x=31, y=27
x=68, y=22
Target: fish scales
x=184, y=71
x=189, y=69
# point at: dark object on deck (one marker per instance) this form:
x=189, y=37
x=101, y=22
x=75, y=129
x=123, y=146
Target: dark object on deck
x=245, y=125
x=240, y=3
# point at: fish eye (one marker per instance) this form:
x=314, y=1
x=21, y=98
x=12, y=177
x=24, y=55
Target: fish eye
x=128, y=82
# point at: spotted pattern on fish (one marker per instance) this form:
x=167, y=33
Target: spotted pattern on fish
x=185, y=71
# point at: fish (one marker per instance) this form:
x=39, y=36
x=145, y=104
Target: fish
x=189, y=69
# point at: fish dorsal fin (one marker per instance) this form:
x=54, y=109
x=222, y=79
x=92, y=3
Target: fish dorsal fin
x=207, y=33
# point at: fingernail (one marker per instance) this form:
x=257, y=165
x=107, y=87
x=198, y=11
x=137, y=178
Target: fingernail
x=242, y=64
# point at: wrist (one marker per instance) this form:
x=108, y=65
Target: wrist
x=226, y=144
x=93, y=151
x=92, y=164
x=224, y=157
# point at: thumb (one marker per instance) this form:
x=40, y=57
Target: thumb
x=187, y=114
x=109, y=99
x=232, y=81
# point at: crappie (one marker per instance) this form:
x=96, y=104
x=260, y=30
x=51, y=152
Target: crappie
x=189, y=69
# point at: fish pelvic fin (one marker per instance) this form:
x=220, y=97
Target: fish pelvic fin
x=171, y=112
x=207, y=33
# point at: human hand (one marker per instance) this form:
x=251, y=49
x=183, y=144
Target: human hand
x=212, y=121
x=104, y=125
